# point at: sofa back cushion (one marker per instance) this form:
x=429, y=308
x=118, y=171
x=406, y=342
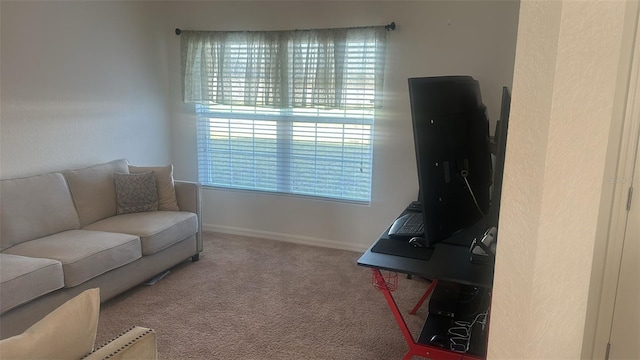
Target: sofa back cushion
x=167, y=200
x=93, y=190
x=34, y=207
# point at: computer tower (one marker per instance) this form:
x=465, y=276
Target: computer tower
x=444, y=299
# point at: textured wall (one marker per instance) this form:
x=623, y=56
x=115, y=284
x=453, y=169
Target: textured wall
x=82, y=82
x=565, y=83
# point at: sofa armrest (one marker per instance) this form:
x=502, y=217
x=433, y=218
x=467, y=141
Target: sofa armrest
x=188, y=195
x=189, y=199
x=135, y=343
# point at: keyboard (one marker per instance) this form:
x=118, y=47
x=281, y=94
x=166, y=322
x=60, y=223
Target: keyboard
x=408, y=225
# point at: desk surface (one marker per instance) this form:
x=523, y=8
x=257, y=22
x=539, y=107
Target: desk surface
x=448, y=262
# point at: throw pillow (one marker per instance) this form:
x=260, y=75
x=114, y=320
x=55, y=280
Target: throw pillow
x=136, y=192
x=68, y=332
x=167, y=200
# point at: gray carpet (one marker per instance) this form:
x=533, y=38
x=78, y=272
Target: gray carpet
x=252, y=298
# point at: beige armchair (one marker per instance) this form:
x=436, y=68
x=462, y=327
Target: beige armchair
x=69, y=332
x=135, y=343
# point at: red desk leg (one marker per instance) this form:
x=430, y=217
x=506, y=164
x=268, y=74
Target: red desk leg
x=381, y=285
x=424, y=297
x=415, y=349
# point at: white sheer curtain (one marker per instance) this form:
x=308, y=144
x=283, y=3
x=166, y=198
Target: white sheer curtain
x=325, y=68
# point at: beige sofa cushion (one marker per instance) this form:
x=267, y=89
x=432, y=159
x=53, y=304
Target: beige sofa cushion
x=33, y=207
x=94, y=191
x=166, y=186
x=24, y=278
x=67, y=333
x=157, y=230
x=83, y=254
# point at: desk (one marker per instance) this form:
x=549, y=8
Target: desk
x=447, y=263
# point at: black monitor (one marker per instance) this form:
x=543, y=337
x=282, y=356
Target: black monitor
x=451, y=137
x=502, y=127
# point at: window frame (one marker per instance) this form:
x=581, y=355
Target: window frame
x=286, y=118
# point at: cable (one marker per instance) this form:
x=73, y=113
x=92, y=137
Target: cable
x=464, y=174
x=461, y=333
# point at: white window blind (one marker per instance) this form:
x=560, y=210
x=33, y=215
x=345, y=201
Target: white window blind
x=287, y=112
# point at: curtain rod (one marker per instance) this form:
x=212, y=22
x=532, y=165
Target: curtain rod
x=388, y=27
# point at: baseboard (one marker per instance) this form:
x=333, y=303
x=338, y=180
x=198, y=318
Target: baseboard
x=305, y=240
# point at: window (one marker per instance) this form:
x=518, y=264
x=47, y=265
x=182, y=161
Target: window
x=287, y=112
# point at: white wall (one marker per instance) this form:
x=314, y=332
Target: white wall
x=82, y=82
x=433, y=38
x=565, y=117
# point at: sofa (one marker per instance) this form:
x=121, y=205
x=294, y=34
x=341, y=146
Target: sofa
x=110, y=226
x=69, y=333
